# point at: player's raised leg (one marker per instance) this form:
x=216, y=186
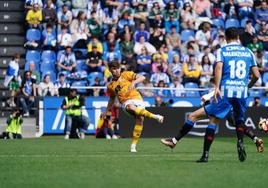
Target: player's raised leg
x=188, y=125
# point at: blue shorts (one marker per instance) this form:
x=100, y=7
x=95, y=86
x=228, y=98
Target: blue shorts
x=224, y=106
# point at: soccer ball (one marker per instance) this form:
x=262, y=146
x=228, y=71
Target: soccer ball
x=263, y=125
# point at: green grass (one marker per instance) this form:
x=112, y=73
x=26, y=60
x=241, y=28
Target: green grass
x=54, y=162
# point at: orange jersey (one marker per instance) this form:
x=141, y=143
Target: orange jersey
x=120, y=87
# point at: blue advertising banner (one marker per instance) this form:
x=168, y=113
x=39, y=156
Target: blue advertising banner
x=54, y=116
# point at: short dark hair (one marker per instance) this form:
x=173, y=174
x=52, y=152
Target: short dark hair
x=114, y=64
x=231, y=33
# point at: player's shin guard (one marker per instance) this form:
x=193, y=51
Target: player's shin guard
x=136, y=133
x=143, y=112
x=208, y=139
x=188, y=125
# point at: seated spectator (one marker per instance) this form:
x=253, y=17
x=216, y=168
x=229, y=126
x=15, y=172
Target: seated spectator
x=29, y=4
x=96, y=92
x=95, y=42
x=65, y=17
x=142, y=43
x=247, y=36
x=206, y=71
x=79, y=29
x=158, y=61
x=49, y=39
x=141, y=32
x=126, y=48
x=126, y=31
x=144, y=61
x=111, y=39
x=188, y=16
x=157, y=38
x=159, y=75
x=191, y=71
x=173, y=39
x=34, y=16
x=261, y=14
x=162, y=92
x=62, y=85
x=171, y=10
x=28, y=91
x=112, y=55
x=111, y=17
x=67, y=62
x=172, y=22
x=61, y=3
x=46, y=87
x=255, y=45
x=95, y=5
x=206, y=52
x=163, y=52
x=158, y=22
x=13, y=79
x=34, y=72
x=126, y=8
x=231, y=9
x=94, y=24
x=94, y=61
x=175, y=68
x=155, y=10
x=203, y=36
x=261, y=61
x=176, y=84
x=202, y=8
x=49, y=13
x=263, y=35
x=189, y=47
x=245, y=9
x=219, y=41
x=146, y=92
x=64, y=38
x=125, y=20
x=141, y=15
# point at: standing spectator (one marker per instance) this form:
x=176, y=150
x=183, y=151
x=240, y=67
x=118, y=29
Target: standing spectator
x=67, y=62
x=62, y=85
x=141, y=32
x=126, y=48
x=202, y=8
x=142, y=43
x=263, y=35
x=49, y=39
x=203, y=36
x=206, y=71
x=173, y=39
x=49, y=14
x=34, y=16
x=261, y=14
x=176, y=84
x=64, y=38
x=94, y=24
x=245, y=9
x=13, y=79
x=65, y=17
x=73, y=113
x=188, y=16
x=46, y=87
x=191, y=71
x=125, y=20
x=146, y=92
x=144, y=61
x=94, y=61
x=159, y=75
x=79, y=29
x=94, y=42
x=175, y=68
x=231, y=9
x=28, y=91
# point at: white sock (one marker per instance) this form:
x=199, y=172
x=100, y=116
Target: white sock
x=174, y=140
x=255, y=139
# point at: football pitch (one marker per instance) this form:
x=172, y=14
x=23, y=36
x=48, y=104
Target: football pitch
x=54, y=162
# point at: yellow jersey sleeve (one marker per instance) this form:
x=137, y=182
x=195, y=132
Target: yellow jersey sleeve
x=129, y=75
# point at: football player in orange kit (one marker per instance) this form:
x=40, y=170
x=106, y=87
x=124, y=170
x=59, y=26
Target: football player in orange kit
x=123, y=86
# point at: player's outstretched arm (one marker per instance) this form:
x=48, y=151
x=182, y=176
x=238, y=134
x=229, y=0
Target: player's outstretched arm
x=256, y=76
x=138, y=79
x=110, y=104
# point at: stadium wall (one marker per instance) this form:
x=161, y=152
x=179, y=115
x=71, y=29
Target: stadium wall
x=52, y=118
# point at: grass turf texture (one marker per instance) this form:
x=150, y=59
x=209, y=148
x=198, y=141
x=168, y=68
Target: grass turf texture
x=54, y=162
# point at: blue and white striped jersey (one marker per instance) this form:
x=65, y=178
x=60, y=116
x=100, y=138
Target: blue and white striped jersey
x=237, y=61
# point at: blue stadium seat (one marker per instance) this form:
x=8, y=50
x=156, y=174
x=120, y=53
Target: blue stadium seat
x=219, y=23
x=80, y=83
x=60, y=52
x=190, y=85
x=81, y=50
x=231, y=22
x=244, y=20
x=27, y=65
x=81, y=65
x=91, y=77
x=265, y=55
x=185, y=34
x=33, y=35
x=47, y=66
x=52, y=75
x=255, y=93
x=265, y=78
x=33, y=55
x=48, y=55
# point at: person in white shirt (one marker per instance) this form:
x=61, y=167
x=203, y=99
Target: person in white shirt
x=179, y=92
x=139, y=45
x=46, y=87
x=64, y=38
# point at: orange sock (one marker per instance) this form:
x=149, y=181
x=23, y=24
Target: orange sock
x=143, y=112
x=136, y=133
